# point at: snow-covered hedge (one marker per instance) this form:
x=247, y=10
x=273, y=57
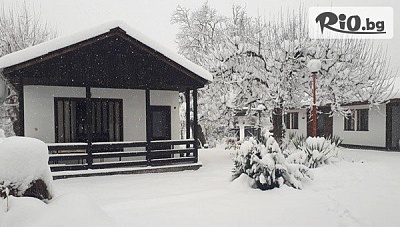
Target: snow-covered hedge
x=267, y=166
x=24, y=168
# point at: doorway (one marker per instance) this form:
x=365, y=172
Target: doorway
x=160, y=119
x=324, y=122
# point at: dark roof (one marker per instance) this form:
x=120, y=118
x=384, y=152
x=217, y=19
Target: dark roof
x=111, y=59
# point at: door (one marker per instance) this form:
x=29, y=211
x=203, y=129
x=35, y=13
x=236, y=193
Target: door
x=393, y=131
x=160, y=119
x=324, y=123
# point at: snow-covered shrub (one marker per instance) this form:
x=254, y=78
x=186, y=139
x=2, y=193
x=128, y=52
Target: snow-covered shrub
x=267, y=166
x=336, y=140
x=24, y=168
x=320, y=150
x=298, y=141
x=311, y=151
x=231, y=143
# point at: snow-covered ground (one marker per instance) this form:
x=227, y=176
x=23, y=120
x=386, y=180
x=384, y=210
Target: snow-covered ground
x=362, y=190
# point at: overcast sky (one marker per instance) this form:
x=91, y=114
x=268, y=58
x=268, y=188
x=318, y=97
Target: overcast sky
x=152, y=17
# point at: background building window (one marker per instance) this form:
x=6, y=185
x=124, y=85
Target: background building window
x=292, y=120
x=349, y=122
x=362, y=120
x=360, y=116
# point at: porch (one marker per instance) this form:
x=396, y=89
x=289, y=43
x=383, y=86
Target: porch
x=107, y=57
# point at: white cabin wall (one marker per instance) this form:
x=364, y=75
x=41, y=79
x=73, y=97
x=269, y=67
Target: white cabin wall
x=39, y=109
x=302, y=123
x=376, y=134
x=168, y=98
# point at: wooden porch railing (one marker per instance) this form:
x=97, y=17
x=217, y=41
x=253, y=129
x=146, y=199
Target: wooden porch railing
x=74, y=156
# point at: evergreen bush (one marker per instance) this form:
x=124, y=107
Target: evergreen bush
x=267, y=166
x=313, y=151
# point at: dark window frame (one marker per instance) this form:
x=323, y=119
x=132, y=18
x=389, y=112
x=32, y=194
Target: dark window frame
x=357, y=121
x=349, y=122
x=70, y=100
x=291, y=120
x=362, y=119
x=295, y=120
x=168, y=110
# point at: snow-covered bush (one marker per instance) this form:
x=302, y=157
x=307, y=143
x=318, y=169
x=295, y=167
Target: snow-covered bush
x=320, y=151
x=312, y=151
x=267, y=166
x=292, y=143
x=298, y=141
x=336, y=140
x=231, y=143
x=24, y=168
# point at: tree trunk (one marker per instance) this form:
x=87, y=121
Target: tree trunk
x=200, y=133
x=277, y=125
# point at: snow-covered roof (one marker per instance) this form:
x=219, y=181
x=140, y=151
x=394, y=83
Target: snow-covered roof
x=61, y=42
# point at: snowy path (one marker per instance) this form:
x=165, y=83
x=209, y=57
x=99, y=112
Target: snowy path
x=363, y=193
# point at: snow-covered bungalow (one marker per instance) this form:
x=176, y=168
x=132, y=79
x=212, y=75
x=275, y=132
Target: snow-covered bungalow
x=377, y=127
x=106, y=97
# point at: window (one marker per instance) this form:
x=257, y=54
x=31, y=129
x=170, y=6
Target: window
x=360, y=116
x=349, y=122
x=292, y=120
x=70, y=120
x=362, y=120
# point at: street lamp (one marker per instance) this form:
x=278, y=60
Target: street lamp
x=314, y=66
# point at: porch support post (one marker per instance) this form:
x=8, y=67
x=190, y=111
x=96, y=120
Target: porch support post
x=20, y=128
x=148, y=128
x=187, y=99
x=195, y=128
x=88, y=123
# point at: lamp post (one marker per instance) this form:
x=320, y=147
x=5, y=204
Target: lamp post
x=314, y=66
x=259, y=109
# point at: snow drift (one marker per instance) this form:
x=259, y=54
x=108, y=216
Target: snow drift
x=24, y=165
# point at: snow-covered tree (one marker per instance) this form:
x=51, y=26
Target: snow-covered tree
x=352, y=70
x=213, y=41
x=20, y=27
x=252, y=59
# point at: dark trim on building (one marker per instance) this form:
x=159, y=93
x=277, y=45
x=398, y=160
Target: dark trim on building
x=389, y=121
x=195, y=127
x=88, y=122
x=187, y=100
x=21, y=113
x=148, y=128
x=395, y=100
x=364, y=147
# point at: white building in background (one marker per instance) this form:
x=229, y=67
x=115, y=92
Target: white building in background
x=375, y=127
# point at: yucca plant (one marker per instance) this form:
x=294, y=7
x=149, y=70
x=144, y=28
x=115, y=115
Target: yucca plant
x=320, y=150
x=298, y=141
x=336, y=140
